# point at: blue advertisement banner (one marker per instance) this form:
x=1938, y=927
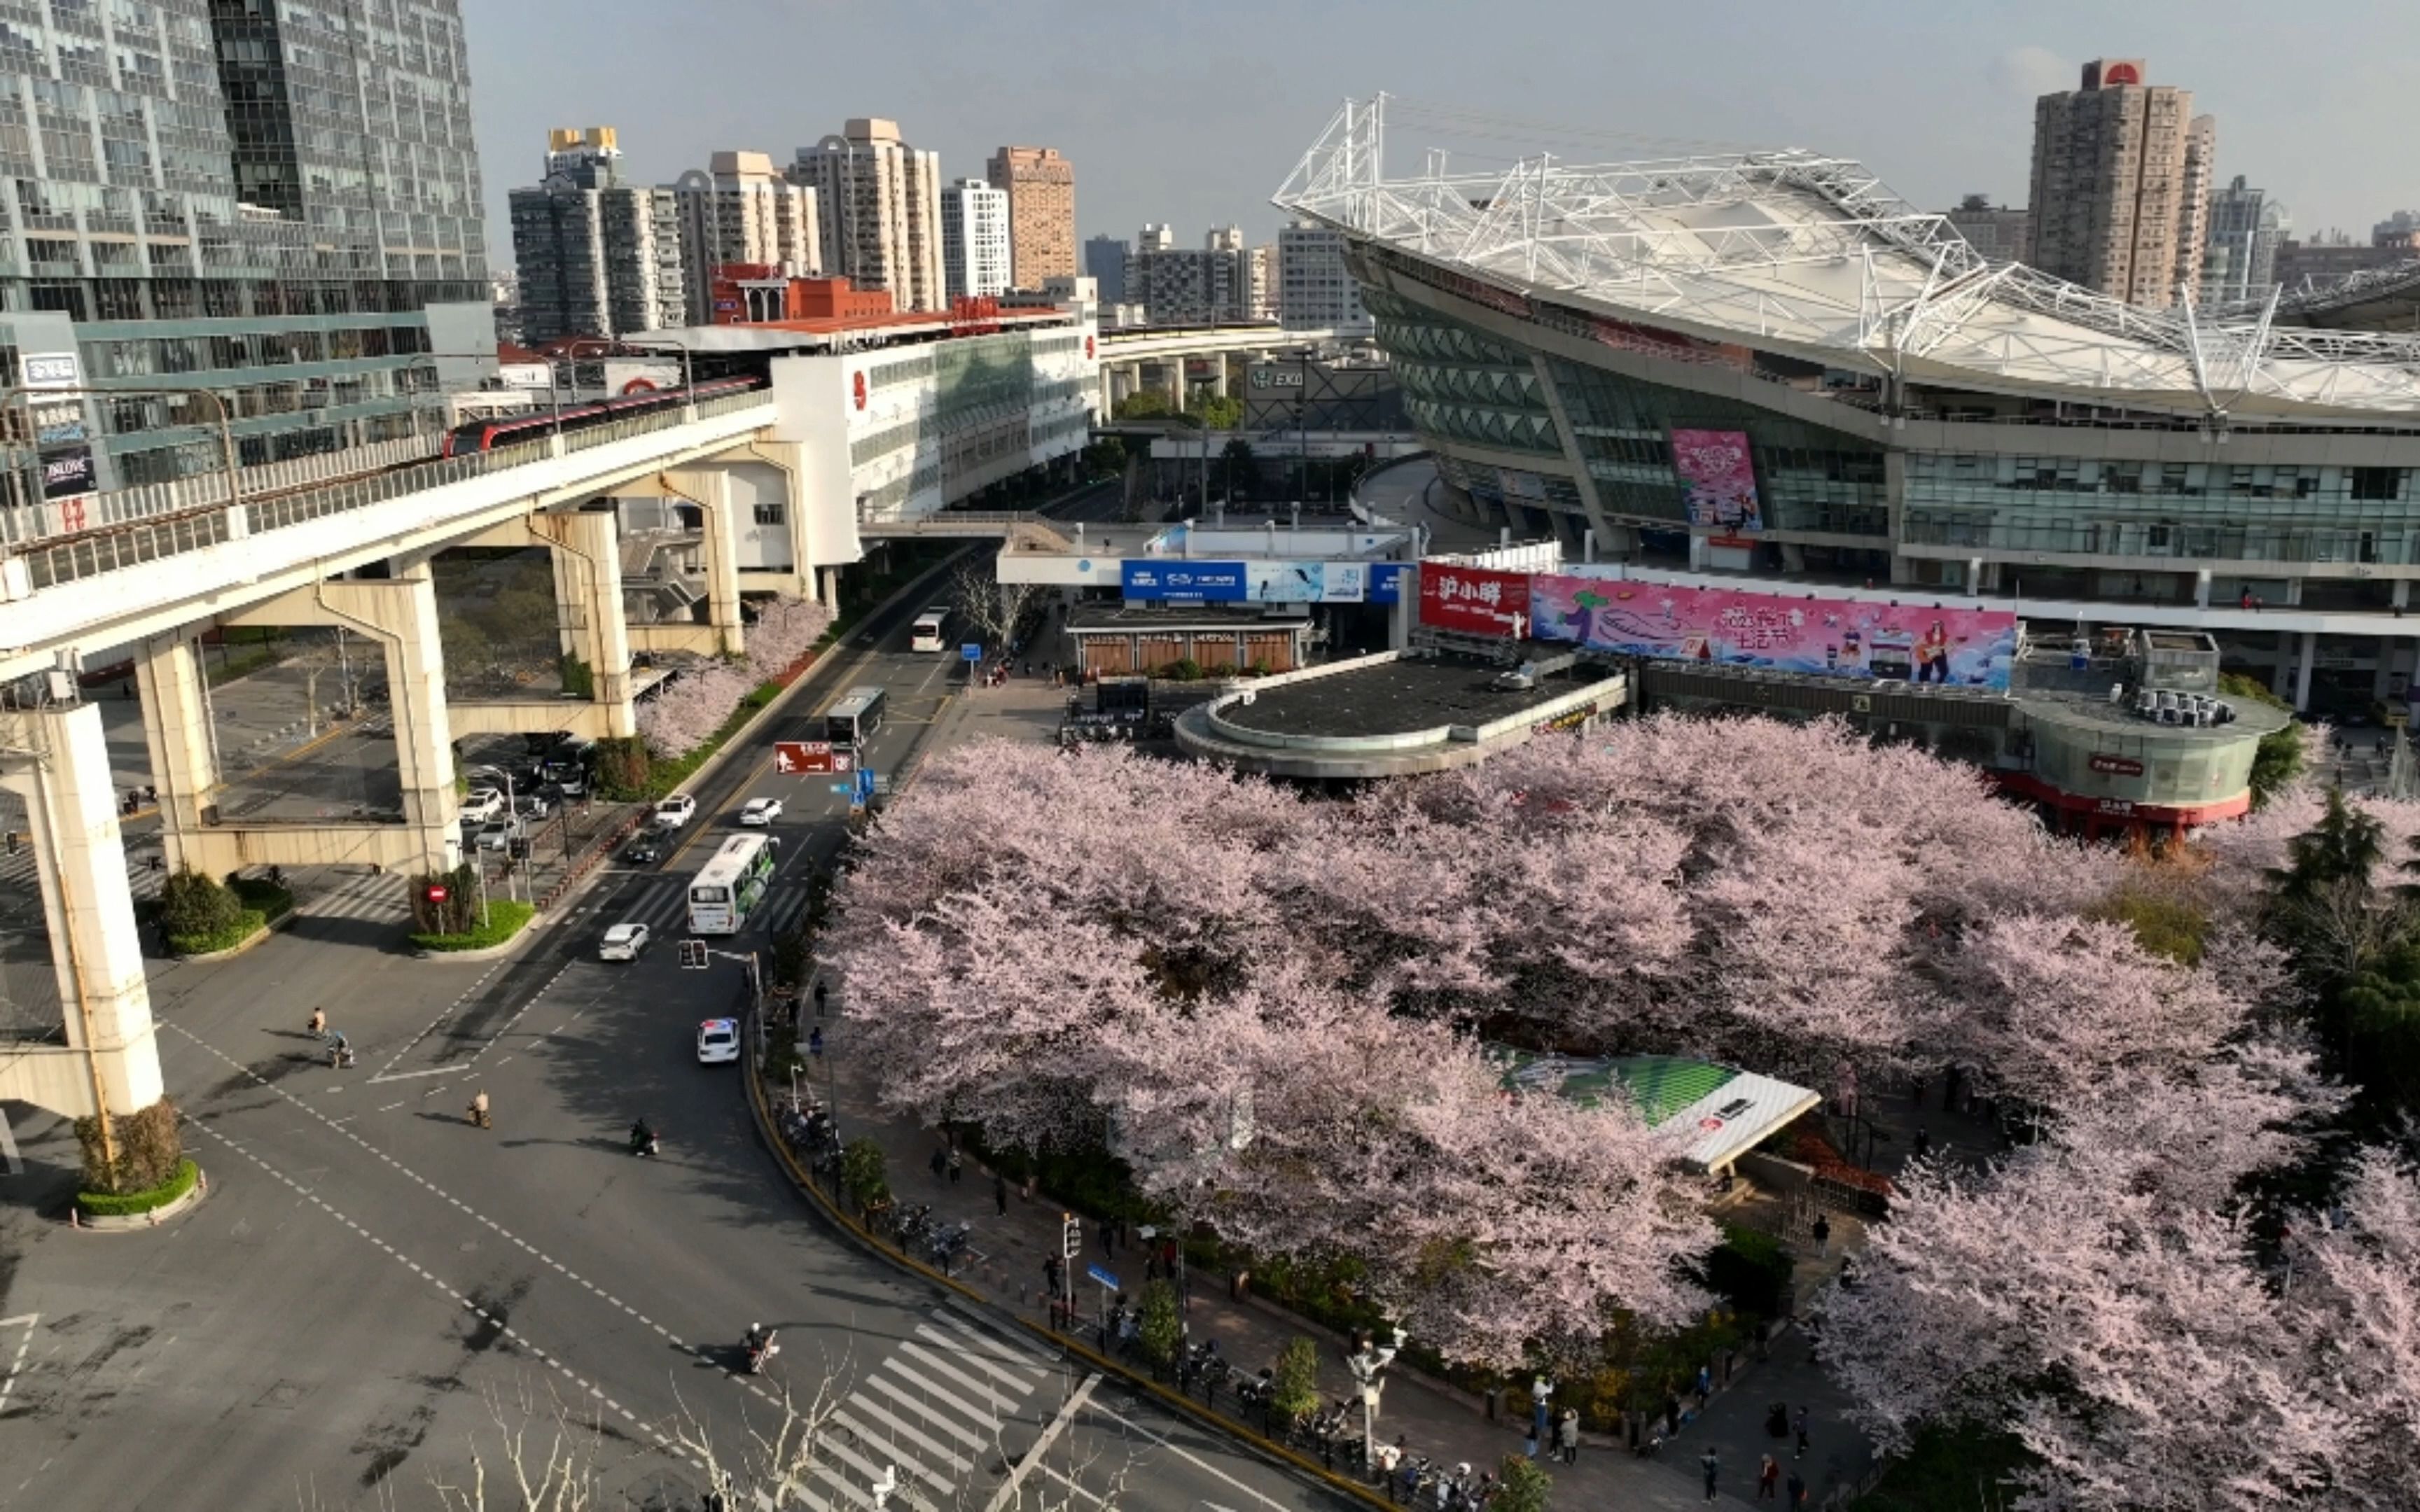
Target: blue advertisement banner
x=1185, y=582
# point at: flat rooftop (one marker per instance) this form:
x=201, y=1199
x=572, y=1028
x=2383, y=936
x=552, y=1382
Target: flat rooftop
x=1399, y=697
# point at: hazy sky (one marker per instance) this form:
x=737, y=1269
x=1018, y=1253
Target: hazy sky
x=1194, y=114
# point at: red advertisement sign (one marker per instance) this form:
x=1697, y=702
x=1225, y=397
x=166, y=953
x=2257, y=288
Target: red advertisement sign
x=1474, y=600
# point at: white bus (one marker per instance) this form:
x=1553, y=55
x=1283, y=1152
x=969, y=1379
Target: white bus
x=728, y=888
x=852, y=721
x=930, y=631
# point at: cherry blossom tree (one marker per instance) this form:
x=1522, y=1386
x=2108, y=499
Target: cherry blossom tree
x=784, y=630
x=683, y=716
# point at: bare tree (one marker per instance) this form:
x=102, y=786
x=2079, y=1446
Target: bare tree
x=991, y=608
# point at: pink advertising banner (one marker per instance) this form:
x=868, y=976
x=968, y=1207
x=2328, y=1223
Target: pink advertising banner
x=1718, y=480
x=1823, y=637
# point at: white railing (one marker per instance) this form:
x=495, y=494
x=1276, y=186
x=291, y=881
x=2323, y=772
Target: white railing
x=58, y=518
x=102, y=548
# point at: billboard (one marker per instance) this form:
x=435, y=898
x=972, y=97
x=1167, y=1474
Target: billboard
x=1386, y=581
x=1185, y=582
x=1474, y=600
x=1307, y=582
x=1822, y=637
x=1717, y=480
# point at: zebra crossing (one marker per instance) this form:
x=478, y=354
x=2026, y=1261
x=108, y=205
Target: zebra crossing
x=377, y=898
x=931, y=1414
x=20, y=879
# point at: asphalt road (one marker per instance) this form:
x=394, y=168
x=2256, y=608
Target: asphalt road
x=375, y=1292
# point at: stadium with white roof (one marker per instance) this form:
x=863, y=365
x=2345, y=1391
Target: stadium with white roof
x=1921, y=420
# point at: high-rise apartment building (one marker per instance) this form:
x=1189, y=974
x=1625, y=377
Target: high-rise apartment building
x=1041, y=188
x=1105, y=263
x=597, y=256
x=879, y=203
x=301, y=178
x=2247, y=228
x=1317, y=291
x=738, y=208
x=975, y=239
x=1210, y=285
x=2121, y=173
x=1261, y=283
x=1996, y=231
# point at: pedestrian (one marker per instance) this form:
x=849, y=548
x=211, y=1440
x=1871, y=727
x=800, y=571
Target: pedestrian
x=957, y=1166
x=1671, y=1414
x=1541, y=1394
x=816, y=1041
x=1568, y=1435
x=1799, y=1422
x=820, y=991
x=1822, y=1235
x=1798, y=1492
x=1000, y=1192
x=1705, y=1386
x=1495, y=1399
x=1109, y=1240
x=1530, y=1441
x=1923, y=1141
x=1768, y=1476
x=940, y=1162
x=1711, y=1465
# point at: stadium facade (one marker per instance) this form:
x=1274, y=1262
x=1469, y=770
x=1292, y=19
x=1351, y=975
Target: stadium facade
x=1918, y=418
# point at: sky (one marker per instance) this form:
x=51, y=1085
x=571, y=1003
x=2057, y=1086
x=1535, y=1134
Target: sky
x=1195, y=113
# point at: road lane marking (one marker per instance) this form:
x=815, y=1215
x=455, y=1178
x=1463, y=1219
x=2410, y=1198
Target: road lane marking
x=1067, y=1410
x=9, y=1381
x=203, y=1122
x=1195, y=1460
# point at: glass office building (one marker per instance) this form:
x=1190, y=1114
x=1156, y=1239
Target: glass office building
x=276, y=200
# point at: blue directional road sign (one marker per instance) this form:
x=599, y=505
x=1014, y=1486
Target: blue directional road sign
x=863, y=786
x=971, y=651
x=1104, y=1277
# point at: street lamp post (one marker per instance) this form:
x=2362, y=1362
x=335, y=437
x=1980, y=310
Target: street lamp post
x=1366, y=1364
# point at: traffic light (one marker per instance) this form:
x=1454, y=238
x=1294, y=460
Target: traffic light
x=1071, y=1235
x=692, y=955
x=517, y=848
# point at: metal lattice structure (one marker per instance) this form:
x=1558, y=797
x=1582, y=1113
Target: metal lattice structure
x=1815, y=257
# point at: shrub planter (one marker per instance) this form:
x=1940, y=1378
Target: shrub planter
x=112, y=1210
x=508, y=925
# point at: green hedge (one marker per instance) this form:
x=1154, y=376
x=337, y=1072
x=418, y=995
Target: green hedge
x=505, y=919
x=272, y=901
x=248, y=922
x=127, y=1204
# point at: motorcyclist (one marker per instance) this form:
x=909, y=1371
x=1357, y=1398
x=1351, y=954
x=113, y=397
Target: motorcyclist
x=642, y=1136
x=320, y=1023
x=479, y=1107
x=339, y=1049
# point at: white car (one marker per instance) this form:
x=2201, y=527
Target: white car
x=718, y=1041
x=498, y=833
x=675, y=811
x=760, y=812
x=623, y=942
x=481, y=805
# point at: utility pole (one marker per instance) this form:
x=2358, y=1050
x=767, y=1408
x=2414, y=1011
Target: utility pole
x=1367, y=1363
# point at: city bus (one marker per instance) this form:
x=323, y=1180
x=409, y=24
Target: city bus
x=930, y=631
x=853, y=719
x=728, y=888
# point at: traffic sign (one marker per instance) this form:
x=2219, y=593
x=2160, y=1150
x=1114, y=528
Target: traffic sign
x=863, y=785
x=971, y=651
x=1104, y=1277
x=793, y=757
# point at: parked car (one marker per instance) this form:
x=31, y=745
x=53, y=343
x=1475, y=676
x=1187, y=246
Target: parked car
x=623, y=942
x=676, y=811
x=481, y=805
x=718, y=1041
x=758, y=813
x=497, y=834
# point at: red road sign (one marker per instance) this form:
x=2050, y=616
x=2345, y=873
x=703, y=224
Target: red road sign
x=794, y=757
x=436, y=895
